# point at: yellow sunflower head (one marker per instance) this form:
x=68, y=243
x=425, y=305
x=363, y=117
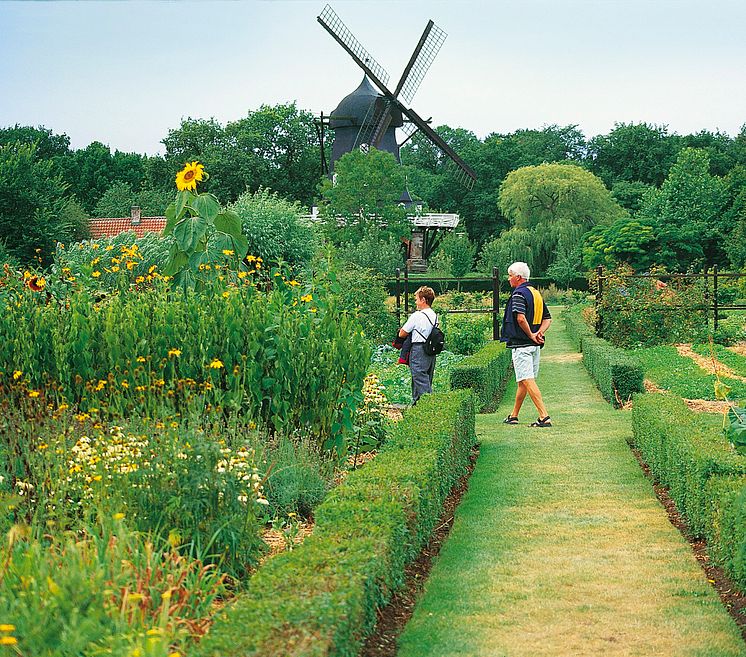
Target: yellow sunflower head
x=190, y=175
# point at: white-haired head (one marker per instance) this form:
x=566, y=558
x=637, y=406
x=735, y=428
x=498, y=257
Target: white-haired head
x=520, y=269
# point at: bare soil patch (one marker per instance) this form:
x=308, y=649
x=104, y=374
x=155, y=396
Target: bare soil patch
x=651, y=387
x=733, y=600
x=708, y=364
x=705, y=406
x=564, y=358
x=394, y=616
x=739, y=348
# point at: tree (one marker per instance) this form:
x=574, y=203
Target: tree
x=557, y=204
x=365, y=193
x=687, y=213
x=625, y=241
x=34, y=209
x=48, y=145
x=118, y=200
x=460, y=252
x=633, y=152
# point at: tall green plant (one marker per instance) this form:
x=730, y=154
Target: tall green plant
x=197, y=221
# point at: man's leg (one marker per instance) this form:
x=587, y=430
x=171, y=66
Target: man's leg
x=419, y=364
x=535, y=394
x=520, y=395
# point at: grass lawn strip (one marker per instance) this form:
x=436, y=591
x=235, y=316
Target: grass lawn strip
x=668, y=369
x=560, y=546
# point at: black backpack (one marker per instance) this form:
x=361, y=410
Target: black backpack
x=435, y=342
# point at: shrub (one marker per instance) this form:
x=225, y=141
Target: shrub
x=465, y=334
x=298, y=478
x=322, y=597
x=731, y=330
x=363, y=294
x=275, y=230
x=486, y=372
x=377, y=251
x=577, y=326
x=617, y=374
x=460, y=252
x=726, y=497
x=683, y=452
x=633, y=311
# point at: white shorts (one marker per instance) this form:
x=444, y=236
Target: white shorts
x=526, y=362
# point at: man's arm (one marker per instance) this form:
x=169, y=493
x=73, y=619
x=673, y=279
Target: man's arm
x=526, y=328
x=543, y=328
x=403, y=333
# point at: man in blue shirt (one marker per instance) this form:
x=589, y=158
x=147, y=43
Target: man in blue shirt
x=525, y=322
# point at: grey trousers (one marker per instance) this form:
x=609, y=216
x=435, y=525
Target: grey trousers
x=422, y=367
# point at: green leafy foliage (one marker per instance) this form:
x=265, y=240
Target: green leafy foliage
x=637, y=310
x=377, y=251
x=34, y=208
x=274, y=229
x=683, y=450
x=118, y=200
x=681, y=375
x=460, y=253
x=324, y=594
x=556, y=204
x=617, y=374
x=365, y=193
x=486, y=372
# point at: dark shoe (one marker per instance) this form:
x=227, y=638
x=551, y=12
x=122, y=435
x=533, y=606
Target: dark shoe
x=542, y=422
x=511, y=419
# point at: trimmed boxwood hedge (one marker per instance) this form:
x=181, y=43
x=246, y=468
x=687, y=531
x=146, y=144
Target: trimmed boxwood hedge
x=618, y=374
x=576, y=326
x=683, y=452
x=486, y=372
x=321, y=598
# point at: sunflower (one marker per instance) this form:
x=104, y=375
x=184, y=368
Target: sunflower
x=36, y=283
x=190, y=175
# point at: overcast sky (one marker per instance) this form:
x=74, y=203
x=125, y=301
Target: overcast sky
x=124, y=73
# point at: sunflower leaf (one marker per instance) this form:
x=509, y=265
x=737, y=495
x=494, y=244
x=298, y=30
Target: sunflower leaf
x=189, y=231
x=206, y=206
x=228, y=222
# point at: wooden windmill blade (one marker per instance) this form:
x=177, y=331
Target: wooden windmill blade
x=465, y=174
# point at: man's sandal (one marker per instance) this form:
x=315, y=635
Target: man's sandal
x=542, y=422
x=511, y=419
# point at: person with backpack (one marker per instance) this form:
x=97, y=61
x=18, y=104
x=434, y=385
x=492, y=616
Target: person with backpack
x=525, y=322
x=427, y=342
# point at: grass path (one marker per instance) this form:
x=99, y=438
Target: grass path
x=561, y=548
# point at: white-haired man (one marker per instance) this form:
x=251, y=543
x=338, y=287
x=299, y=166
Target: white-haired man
x=525, y=322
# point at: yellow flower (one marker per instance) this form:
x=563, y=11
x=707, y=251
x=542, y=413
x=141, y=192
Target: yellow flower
x=189, y=176
x=174, y=353
x=36, y=283
x=8, y=641
x=294, y=283
x=7, y=628
x=141, y=359
x=96, y=274
x=227, y=252
x=215, y=364
x=307, y=298
x=118, y=516
x=140, y=279
x=33, y=393
x=17, y=375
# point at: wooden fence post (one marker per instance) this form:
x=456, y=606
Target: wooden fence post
x=495, y=305
x=714, y=298
x=406, y=291
x=599, y=295
x=398, y=296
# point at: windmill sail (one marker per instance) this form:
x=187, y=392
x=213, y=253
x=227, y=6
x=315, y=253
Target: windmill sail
x=378, y=117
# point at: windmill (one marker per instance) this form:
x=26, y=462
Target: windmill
x=388, y=109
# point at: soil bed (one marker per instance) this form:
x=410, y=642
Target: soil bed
x=394, y=616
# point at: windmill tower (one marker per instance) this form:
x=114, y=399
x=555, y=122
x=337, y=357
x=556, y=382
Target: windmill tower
x=371, y=114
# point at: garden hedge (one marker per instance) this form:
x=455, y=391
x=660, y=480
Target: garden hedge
x=683, y=452
x=576, y=326
x=486, y=372
x=321, y=598
x=617, y=374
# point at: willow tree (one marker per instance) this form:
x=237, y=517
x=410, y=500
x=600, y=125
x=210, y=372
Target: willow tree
x=551, y=207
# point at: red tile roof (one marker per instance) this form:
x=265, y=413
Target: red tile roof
x=112, y=227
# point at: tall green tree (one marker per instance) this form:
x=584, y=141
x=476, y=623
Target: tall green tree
x=633, y=152
x=687, y=213
x=557, y=204
x=364, y=193
x=35, y=211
